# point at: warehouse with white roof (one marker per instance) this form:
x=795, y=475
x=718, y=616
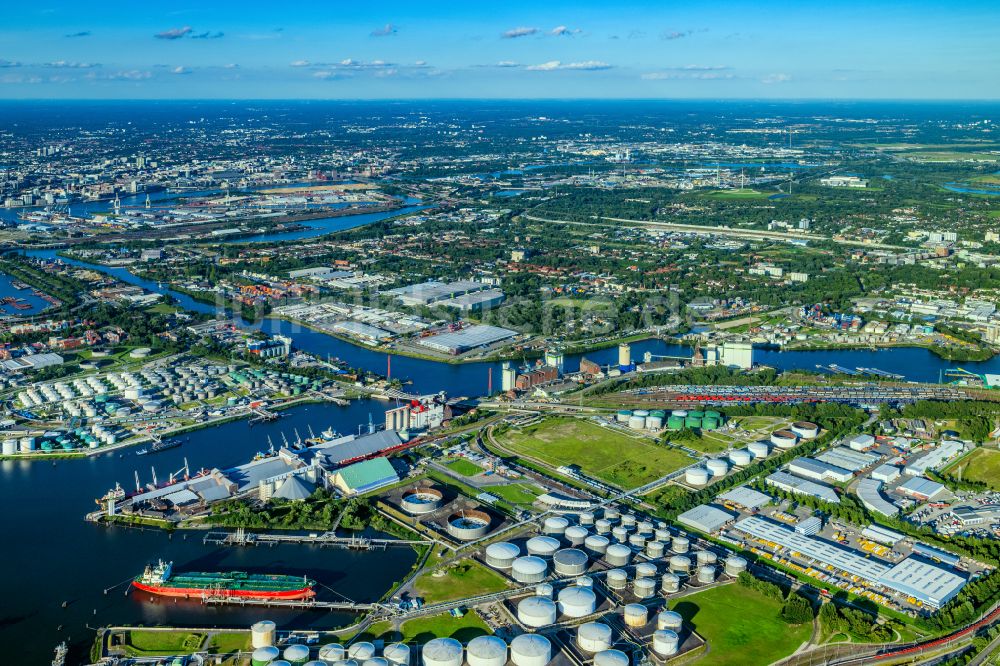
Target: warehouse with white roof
x=793, y=484
x=706, y=518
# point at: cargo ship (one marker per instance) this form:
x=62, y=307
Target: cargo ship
x=160, y=579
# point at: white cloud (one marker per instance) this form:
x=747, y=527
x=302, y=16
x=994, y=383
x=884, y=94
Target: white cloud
x=563, y=31
x=9, y=63
x=521, y=31
x=63, y=64
x=507, y=63
x=174, y=33
x=300, y=63
x=775, y=78
x=385, y=31
x=553, y=65
x=180, y=69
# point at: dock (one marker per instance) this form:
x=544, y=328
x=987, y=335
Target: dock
x=326, y=539
x=301, y=604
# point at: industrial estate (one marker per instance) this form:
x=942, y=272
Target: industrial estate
x=505, y=383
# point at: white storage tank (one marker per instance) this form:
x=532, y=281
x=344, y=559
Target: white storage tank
x=536, y=612
x=616, y=579
x=784, y=439
x=629, y=520
x=644, y=588
x=486, y=651
x=611, y=658
x=501, y=555
x=705, y=557
x=637, y=541
x=577, y=601
x=593, y=637
x=602, y=526
x=696, y=476
x=665, y=642
x=442, y=652
x=529, y=569
x=596, y=543
x=397, y=654
x=805, y=429
x=554, y=525
x=718, y=467
x=680, y=545
x=645, y=570
x=636, y=422
x=654, y=422
x=669, y=619
x=542, y=546
x=655, y=549
x=680, y=563
x=9, y=447
x=570, y=562
x=620, y=534
x=585, y=581
x=759, y=449
x=530, y=650
x=576, y=535
x=361, y=651
x=296, y=654
x=612, y=514
x=332, y=653
x=740, y=457
x=262, y=634
x=587, y=519
x=670, y=583
x=662, y=534
x=636, y=615
x=706, y=574
x=644, y=527
x=735, y=565
x=618, y=555
x=544, y=590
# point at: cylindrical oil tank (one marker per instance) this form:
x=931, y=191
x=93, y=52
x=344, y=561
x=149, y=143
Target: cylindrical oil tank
x=697, y=476
x=706, y=574
x=680, y=564
x=264, y=655
x=332, y=653
x=662, y=534
x=542, y=546
x=805, y=429
x=544, y=590
x=486, y=651
x=740, y=457
x=612, y=514
x=620, y=534
x=670, y=583
x=759, y=449
x=665, y=642
x=655, y=549
x=9, y=447
x=596, y=543
x=501, y=555
x=629, y=520
x=421, y=500
x=637, y=541
x=362, y=651
x=637, y=422
x=262, y=634
x=602, y=526
x=680, y=545
x=705, y=557
x=636, y=615
x=296, y=654
x=397, y=654
x=585, y=581
x=576, y=535
x=587, y=519
x=616, y=579
x=570, y=562
x=644, y=527
x=669, y=619
x=593, y=637
x=618, y=555
x=611, y=658
x=735, y=565
x=470, y=524
x=654, y=422
x=442, y=652
x=623, y=415
x=530, y=650
x=645, y=570
x=536, y=611
x=784, y=439
x=554, y=525
x=529, y=569
x=644, y=587
x=718, y=467
x=577, y=601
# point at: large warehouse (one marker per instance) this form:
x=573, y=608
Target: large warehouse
x=706, y=518
x=793, y=484
x=930, y=584
x=870, y=493
x=810, y=468
x=467, y=338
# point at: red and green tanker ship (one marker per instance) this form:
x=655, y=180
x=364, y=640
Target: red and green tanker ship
x=160, y=579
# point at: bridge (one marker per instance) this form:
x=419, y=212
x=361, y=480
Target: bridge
x=326, y=539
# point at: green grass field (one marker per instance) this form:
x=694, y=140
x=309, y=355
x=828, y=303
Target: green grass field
x=740, y=625
x=604, y=453
x=514, y=493
x=424, y=629
x=982, y=465
x=143, y=643
x=464, y=467
x=463, y=579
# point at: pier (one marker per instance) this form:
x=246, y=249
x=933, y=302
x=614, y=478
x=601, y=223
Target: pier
x=326, y=539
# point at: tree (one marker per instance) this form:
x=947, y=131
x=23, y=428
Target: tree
x=797, y=609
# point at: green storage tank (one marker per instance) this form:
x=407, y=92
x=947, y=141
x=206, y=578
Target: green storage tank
x=709, y=424
x=692, y=422
x=658, y=412
x=698, y=414
x=675, y=423
x=712, y=414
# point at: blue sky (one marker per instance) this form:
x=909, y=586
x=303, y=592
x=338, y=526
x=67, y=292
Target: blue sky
x=667, y=49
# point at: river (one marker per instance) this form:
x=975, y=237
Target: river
x=52, y=556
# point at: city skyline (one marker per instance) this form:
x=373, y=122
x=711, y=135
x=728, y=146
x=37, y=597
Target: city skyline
x=879, y=50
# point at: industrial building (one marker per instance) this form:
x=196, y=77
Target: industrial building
x=748, y=498
x=817, y=470
x=848, y=459
x=793, y=484
x=706, y=518
x=471, y=337
x=474, y=302
x=921, y=489
x=420, y=414
x=861, y=442
x=430, y=292
x=365, y=476
x=932, y=585
x=935, y=458
x=541, y=375
x=357, y=329
x=870, y=493
x=886, y=473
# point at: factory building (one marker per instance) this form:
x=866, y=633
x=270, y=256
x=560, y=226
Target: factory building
x=430, y=292
x=886, y=473
x=817, y=470
x=737, y=355
x=745, y=497
x=870, y=493
x=365, y=476
x=921, y=489
x=706, y=518
x=474, y=302
x=421, y=414
x=793, y=484
x=935, y=458
x=849, y=459
x=861, y=442
x=464, y=339
x=541, y=375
